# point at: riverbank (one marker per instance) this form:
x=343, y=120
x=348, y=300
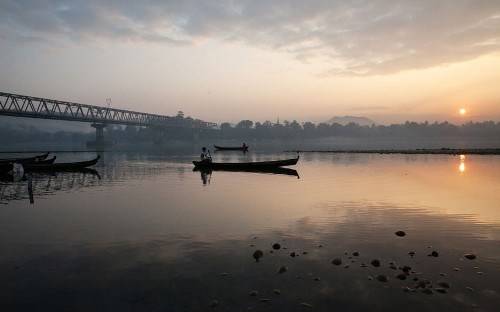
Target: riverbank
x=441, y=151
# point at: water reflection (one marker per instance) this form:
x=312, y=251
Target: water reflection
x=150, y=236
x=206, y=174
x=461, y=167
x=45, y=183
x=189, y=272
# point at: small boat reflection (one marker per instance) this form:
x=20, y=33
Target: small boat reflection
x=14, y=187
x=206, y=173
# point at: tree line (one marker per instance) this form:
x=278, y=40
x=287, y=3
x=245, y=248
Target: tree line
x=250, y=130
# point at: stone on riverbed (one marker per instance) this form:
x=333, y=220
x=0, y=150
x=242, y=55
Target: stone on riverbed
x=470, y=256
x=214, y=303
x=401, y=276
x=375, y=263
x=282, y=269
x=258, y=254
x=434, y=254
x=400, y=233
x=337, y=261
x=276, y=246
x=382, y=278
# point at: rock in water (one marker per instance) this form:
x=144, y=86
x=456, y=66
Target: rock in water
x=306, y=305
x=253, y=293
x=258, y=254
x=214, y=303
x=375, y=263
x=355, y=254
x=434, y=254
x=292, y=254
x=337, y=261
x=444, y=284
x=470, y=256
x=282, y=269
x=382, y=278
x=277, y=291
x=276, y=246
x=400, y=233
x=401, y=276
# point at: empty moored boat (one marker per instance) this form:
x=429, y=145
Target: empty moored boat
x=243, y=148
x=34, y=159
x=61, y=166
x=246, y=165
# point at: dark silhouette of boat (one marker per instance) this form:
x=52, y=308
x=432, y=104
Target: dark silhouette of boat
x=5, y=168
x=256, y=165
x=243, y=148
x=70, y=166
x=46, y=161
x=26, y=160
x=264, y=170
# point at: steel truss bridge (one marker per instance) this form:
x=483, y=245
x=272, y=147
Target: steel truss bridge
x=34, y=107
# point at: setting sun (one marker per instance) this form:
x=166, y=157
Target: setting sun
x=462, y=111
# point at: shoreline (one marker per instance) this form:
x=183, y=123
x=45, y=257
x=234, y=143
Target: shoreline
x=420, y=151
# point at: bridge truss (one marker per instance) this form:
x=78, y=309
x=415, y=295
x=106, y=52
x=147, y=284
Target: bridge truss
x=33, y=107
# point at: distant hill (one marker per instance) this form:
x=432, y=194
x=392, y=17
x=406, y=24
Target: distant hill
x=362, y=121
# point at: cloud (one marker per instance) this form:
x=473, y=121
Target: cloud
x=358, y=37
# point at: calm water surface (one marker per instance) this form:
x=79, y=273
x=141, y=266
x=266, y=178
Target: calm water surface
x=149, y=234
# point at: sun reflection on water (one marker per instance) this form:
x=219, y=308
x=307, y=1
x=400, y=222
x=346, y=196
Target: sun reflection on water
x=461, y=167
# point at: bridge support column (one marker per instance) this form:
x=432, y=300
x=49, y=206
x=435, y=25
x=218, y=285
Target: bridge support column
x=99, y=142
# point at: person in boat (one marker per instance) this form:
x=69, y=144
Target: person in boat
x=205, y=154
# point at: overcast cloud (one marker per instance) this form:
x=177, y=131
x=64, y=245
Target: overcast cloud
x=359, y=37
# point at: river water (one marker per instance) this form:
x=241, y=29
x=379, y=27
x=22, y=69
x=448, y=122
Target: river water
x=147, y=233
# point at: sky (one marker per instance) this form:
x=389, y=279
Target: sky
x=229, y=60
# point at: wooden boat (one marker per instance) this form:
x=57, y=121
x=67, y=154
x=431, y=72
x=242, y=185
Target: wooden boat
x=264, y=170
x=61, y=166
x=231, y=148
x=246, y=165
x=46, y=161
x=25, y=160
x=5, y=168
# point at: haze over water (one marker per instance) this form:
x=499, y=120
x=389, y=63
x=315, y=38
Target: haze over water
x=151, y=234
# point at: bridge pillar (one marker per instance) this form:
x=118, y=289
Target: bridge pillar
x=99, y=136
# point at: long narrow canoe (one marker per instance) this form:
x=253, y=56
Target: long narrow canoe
x=25, y=160
x=46, y=161
x=61, y=166
x=5, y=168
x=246, y=165
x=231, y=148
